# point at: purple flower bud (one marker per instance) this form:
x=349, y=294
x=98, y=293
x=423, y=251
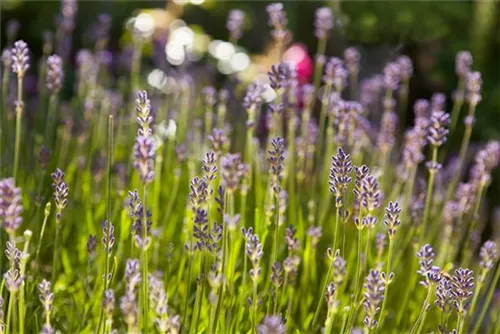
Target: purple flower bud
x=61, y=191
x=340, y=177
x=10, y=205
x=323, y=22
x=254, y=249
x=6, y=58
x=277, y=20
x=405, y=67
x=55, y=73
x=13, y=280
x=373, y=295
x=352, y=58
x=108, y=302
x=108, y=239
x=474, y=83
x=444, y=298
x=438, y=102
x=235, y=23
x=277, y=274
x=144, y=154
x=488, y=255
x=209, y=95
x=339, y=270
x=462, y=287
x=253, y=97
x=421, y=108
x=46, y=296
x=217, y=140
x=386, y=139
x=335, y=73
x=232, y=171
x=20, y=58
x=277, y=156
x=391, y=218
x=143, y=110
x=392, y=73
x=426, y=258
x=280, y=76
x=463, y=63
x=437, y=129
x=271, y=324
x=370, y=194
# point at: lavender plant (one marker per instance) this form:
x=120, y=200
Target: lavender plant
x=264, y=223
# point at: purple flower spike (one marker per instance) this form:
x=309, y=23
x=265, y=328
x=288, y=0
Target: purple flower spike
x=144, y=153
x=20, y=58
x=323, y=22
x=55, y=74
x=234, y=24
x=463, y=63
x=474, y=83
x=340, y=177
x=373, y=295
x=392, y=73
x=437, y=129
x=10, y=205
x=462, y=287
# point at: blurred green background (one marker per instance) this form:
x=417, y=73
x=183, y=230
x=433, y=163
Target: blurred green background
x=430, y=32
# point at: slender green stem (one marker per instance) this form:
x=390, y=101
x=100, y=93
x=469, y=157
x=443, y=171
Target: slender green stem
x=462, y=155
x=144, y=258
x=421, y=317
x=487, y=302
x=321, y=298
x=19, y=113
x=318, y=66
x=56, y=250
x=42, y=232
x=381, y=319
x=428, y=197
x=12, y=302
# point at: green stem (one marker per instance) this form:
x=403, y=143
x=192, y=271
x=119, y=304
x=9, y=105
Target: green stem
x=144, y=258
x=19, y=112
x=56, y=250
x=381, y=319
x=428, y=197
x=42, y=232
x=487, y=302
x=321, y=297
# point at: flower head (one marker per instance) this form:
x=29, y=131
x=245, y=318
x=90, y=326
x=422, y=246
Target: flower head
x=373, y=294
x=55, y=73
x=10, y=205
x=20, y=58
x=235, y=23
x=437, y=128
x=340, y=174
x=323, y=22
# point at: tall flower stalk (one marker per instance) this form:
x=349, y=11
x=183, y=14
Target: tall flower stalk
x=20, y=64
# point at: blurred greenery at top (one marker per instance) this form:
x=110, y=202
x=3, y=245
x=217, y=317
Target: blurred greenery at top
x=430, y=32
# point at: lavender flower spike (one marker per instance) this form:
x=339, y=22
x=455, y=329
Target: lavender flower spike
x=232, y=171
x=323, y=22
x=61, y=191
x=143, y=110
x=10, y=206
x=488, y=255
x=340, y=178
x=144, y=154
x=271, y=324
x=55, y=74
x=462, y=287
x=437, y=129
x=373, y=294
x=234, y=24
x=391, y=218
x=20, y=58
x=463, y=63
